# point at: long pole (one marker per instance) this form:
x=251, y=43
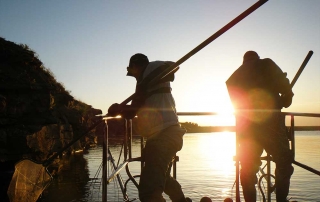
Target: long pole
x=175, y=66
x=303, y=65
x=54, y=156
x=212, y=38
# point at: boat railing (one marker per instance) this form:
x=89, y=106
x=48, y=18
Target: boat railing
x=127, y=156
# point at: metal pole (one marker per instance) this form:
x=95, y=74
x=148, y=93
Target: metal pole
x=269, y=177
x=125, y=143
x=176, y=158
x=104, y=163
x=174, y=66
x=54, y=156
x=120, y=181
x=211, y=38
x=141, y=151
x=303, y=65
x=237, y=163
x=130, y=138
x=292, y=137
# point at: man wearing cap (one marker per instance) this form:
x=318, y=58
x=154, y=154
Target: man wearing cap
x=158, y=122
x=259, y=90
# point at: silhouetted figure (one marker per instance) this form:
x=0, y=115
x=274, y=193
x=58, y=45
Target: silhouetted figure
x=258, y=90
x=158, y=122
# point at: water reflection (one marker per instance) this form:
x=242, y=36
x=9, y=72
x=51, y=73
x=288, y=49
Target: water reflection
x=70, y=184
x=220, y=161
x=205, y=168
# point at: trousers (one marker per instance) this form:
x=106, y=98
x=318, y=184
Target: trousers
x=155, y=178
x=269, y=134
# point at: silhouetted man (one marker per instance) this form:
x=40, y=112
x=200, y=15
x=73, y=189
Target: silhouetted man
x=158, y=122
x=258, y=90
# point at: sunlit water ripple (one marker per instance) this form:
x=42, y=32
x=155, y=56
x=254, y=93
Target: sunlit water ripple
x=206, y=168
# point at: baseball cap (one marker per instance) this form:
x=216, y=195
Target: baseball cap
x=137, y=58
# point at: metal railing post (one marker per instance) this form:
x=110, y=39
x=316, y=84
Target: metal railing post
x=141, y=150
x=129, y=136
x=269, y=190
x=104, y=162
x=125, y=143
x=174, y=165
x=237, y=163
x=293, y=146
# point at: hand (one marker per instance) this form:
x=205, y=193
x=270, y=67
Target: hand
x=114, y=110
x=286, y=100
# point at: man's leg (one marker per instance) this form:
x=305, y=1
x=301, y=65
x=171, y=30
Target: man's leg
x=283, y=176
x=158, y=155
x=278, y=146
x=283, y=158
x=174, y=140
x=250, y=153
x=152, y=178
x=173, y=189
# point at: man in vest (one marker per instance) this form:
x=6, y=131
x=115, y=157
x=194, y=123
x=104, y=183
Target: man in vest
x=258, y=90
x=158, y=122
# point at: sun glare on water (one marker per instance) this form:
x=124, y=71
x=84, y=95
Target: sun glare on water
x=218, y=149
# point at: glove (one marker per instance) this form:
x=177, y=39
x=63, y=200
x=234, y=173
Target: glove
x=286, y=99
x=114, y=110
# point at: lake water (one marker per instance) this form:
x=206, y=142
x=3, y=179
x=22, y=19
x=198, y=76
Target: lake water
x=205, y=168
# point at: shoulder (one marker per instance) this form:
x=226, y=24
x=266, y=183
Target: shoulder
x=267, y=61
x=270, y=65
x=155, y=64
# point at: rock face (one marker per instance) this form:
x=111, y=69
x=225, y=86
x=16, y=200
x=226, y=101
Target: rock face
x=38, y=115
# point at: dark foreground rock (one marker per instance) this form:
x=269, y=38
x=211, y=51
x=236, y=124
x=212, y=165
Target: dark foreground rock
x=38, y=116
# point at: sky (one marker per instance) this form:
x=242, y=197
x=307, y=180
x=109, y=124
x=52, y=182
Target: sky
x=87, y=46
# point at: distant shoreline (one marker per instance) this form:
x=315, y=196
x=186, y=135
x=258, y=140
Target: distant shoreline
x=206, y=129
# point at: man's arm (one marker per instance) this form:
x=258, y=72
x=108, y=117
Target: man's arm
x=281, y=83
x=129, y=111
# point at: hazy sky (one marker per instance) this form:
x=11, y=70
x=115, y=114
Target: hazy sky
x=87, y=45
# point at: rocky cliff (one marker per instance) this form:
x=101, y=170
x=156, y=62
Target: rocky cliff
x=38, y=115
